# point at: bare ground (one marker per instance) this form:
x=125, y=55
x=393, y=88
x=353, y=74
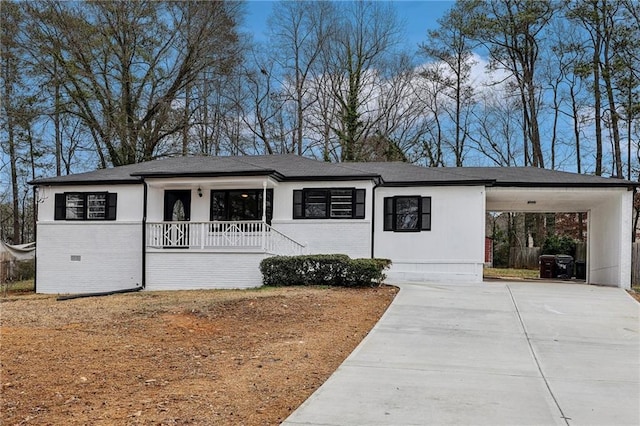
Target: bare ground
x=186, y=357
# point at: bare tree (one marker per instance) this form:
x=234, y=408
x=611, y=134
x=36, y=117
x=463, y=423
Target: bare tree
x=299, y=33
x=496, y=127
x=125, y=66
x=598, y=19
x=512, y=30
x=362, y=44
x=406, y=120
x=451, y=46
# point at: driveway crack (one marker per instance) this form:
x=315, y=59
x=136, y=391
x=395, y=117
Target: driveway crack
x=535, y=358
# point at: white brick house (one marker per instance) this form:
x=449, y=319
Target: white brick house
x=207, y=222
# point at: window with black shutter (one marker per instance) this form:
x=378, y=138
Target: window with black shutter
x=407, y=214
x=85, y=206
x=329, y=203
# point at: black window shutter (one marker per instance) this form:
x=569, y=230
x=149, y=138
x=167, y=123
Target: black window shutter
x=359, y=204
x=269, y=205
x=388, y=214
x=297, y=204
x=425, y=218
x=60, y=207
x=112, y=201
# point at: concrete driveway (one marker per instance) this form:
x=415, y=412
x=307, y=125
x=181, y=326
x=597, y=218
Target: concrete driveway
x=510, y=353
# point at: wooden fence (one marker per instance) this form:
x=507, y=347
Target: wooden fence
x=528, y=257
x=635, y=264
x=524, y=257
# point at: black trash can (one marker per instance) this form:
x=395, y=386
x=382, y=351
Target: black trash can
x=581, y=270
x=548, y=266
x=564, y=266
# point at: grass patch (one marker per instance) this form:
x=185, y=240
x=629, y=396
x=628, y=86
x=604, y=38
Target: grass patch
x=24, y=286
x=511, y=273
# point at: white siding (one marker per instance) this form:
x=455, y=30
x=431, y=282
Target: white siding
x=129, y=208
x=88, y=257
x=283, y=197
x=609, y=241
x=350, y=237
x=454, y=248
x=191, y=270
x=328, y=236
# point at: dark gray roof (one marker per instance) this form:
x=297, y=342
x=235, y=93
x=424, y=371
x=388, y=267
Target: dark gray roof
x=396, y=173
x=281, y=167
x=293, y=167
x=534, y=176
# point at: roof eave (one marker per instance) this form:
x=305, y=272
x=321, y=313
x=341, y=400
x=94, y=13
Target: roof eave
x=47, y=182
x=626, y=184
x=166, y=175
x=439, y=183
x=375, y=178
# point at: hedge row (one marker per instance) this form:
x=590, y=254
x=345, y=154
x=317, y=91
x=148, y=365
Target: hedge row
x=322, y=269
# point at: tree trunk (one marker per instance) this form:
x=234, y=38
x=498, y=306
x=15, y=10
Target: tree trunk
x=597, y=43
x=15, y=193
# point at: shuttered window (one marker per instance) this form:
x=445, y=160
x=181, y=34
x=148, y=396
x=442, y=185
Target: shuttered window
x=86, y=206
x=407, y=214
x=329, y=203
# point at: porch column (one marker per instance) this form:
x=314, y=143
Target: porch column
x=264, y=215
x=264, y=202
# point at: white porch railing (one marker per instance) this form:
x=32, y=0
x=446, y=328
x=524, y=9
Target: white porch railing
x=254, y=235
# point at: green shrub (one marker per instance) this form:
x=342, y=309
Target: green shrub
x=363, y=272
x=559, y=244
x=323, y=269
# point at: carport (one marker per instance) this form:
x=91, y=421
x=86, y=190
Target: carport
x=608, y=202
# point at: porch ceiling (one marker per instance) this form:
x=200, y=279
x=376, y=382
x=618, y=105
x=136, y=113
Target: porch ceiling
x=547, y=200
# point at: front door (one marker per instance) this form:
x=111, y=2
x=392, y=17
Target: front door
x=177, y=208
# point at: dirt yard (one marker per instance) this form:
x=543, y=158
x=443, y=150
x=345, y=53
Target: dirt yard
x=188, y=357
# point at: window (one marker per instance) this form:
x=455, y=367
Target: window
x=241, y=204
x=323, y=203
x=407, y=214
x=85, y=206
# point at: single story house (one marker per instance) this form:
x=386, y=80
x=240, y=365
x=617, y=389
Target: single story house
x=207, y=222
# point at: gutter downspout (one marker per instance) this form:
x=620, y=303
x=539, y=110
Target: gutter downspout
x=144, y=234
x=36, y=197
x=373, y=219
x=104, y=293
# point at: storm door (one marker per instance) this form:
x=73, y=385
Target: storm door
x=177, y=208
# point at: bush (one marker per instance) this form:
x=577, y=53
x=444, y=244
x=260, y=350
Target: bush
x=323, y=269
x=556, y=244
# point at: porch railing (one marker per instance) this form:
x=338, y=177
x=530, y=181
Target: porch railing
x=255, y=235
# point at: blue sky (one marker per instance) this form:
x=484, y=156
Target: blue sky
x=417, y=17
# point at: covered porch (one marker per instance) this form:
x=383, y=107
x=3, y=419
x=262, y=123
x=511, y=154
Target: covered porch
x=217, y=236
x=212, y=254
x=210, y=232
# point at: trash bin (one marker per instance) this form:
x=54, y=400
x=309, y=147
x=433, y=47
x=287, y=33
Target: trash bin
x=547, y=266
x=564, y=266
x=581, y=270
